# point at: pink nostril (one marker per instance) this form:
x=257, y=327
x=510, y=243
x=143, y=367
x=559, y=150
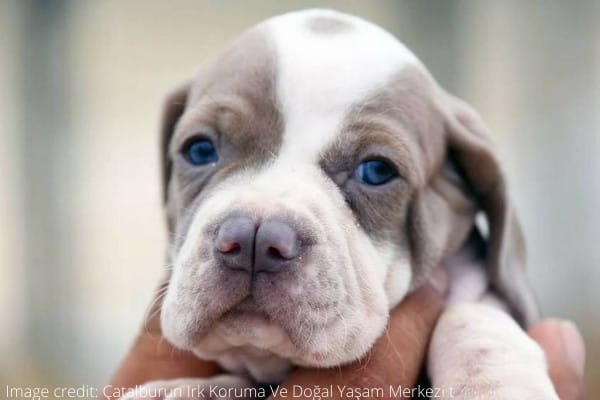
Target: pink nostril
x=228, y=247
x=234, y=242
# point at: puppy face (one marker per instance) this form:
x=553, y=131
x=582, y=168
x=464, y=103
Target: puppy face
x=304, y=170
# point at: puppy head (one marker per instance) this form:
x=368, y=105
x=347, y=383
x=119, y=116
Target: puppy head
x=307, y=190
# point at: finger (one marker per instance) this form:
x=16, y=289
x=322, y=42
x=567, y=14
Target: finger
x=565, y=352
x=152, y=357
x=397, y=357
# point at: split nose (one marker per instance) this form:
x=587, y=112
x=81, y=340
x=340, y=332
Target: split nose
x=267, y=247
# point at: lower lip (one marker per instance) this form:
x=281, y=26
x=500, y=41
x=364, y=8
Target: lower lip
x=246, y=315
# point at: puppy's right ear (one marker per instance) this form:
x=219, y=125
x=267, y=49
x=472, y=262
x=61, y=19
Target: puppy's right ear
x=172, y=110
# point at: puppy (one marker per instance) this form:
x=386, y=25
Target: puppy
x=314, y=174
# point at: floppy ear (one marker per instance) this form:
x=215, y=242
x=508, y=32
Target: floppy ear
x=173, y=108
x=470, y=144
x=443, y=211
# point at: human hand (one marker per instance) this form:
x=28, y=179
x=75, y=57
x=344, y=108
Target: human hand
x=565, y=353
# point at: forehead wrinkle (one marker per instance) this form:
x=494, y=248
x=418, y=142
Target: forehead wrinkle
x=209, y=109
x=320, y=76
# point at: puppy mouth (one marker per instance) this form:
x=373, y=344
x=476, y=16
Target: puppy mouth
x=245, y=325
x=246, y=308
x=248, y=312
x=254, y=313
x=255, y=322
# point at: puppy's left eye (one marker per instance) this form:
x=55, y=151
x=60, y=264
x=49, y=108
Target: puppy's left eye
x=201, y=152
x=375, y=172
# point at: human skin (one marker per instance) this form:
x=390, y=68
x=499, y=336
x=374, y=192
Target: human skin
x=396, y=358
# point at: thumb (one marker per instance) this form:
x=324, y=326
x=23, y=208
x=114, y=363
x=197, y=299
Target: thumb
x=565, y=352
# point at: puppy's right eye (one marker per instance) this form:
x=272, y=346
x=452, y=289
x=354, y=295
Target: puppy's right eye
x=201, y=152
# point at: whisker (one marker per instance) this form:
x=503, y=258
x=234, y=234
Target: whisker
x=152, y=309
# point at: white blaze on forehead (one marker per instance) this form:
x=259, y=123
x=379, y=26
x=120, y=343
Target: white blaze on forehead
x=321, y=73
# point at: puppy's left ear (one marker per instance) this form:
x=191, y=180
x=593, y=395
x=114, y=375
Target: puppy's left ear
x=173, y=108
x=469, y=143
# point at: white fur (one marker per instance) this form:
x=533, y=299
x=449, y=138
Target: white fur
x=320, y=76
x=480, y=352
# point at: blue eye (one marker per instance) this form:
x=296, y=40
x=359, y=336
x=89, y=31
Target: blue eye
x=201, y=152
x=375, y=172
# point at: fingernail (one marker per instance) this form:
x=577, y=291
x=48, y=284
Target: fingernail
x=574, y=345
x=439, y=280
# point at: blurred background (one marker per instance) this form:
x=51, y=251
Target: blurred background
x=81, y=82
